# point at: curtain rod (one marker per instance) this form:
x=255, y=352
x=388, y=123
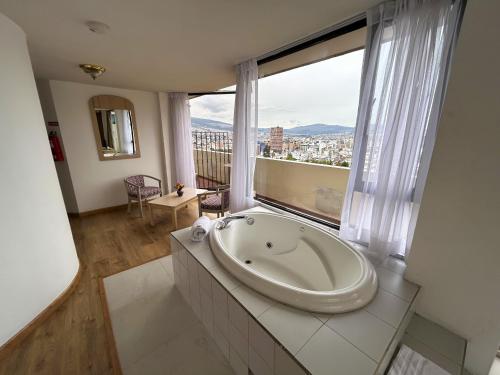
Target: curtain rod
x=345, y=27
x=210, y=93
x=352, y=24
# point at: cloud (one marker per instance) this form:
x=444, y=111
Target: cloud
x=324, y=92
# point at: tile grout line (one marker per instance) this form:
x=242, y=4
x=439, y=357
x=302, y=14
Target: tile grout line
x=353, y=344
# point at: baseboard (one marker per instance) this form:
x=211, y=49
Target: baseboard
x=110, y=338
x=19, y=337
x=98, y=211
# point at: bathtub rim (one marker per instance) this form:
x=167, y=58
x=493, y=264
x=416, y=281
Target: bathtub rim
x=355, y=296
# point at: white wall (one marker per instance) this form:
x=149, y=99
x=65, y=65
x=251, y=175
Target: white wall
x=38, y=260
x=456, y=253
x=98, y=184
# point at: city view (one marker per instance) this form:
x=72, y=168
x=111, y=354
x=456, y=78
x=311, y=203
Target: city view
x=318, y=143
x=306, y=114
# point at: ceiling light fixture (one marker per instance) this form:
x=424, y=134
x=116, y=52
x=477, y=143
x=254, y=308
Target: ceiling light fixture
x=97, y=27
x=93, y=70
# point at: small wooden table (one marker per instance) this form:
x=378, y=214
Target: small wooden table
x=173, y=202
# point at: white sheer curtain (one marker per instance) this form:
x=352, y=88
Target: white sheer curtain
x=244, y=136
x=407, y=58
x=182, y=141
x=125, y=131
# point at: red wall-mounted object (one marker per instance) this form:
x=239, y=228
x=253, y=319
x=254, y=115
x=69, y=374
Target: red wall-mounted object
x=55, y=146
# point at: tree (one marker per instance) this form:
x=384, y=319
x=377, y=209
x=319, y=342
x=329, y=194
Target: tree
x=267, y=152
x=290, y=157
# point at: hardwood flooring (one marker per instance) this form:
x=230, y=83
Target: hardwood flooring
x=73, y=340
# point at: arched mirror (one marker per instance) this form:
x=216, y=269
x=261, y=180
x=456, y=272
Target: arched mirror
x=115, y=127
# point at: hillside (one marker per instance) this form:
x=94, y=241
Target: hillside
x=305, y=130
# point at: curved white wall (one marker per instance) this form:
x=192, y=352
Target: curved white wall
x=38, y=260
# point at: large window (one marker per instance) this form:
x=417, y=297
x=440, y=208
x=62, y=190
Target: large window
x=307, y=117
x=308, y=105
x=309, y=113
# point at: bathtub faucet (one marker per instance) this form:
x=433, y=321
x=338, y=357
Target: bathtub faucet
x=225, y=221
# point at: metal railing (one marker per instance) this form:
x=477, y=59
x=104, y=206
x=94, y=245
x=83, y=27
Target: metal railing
x=212, y=158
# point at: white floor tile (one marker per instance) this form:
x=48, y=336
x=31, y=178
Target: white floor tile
x=439, y=359
x=437, y=338
x=190, y=353
x=368, y=333
x=139, y=282
x=327, y=352
x=290, y=326
x=143, y=325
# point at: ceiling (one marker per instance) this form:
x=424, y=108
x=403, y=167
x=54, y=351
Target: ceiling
x=166, y=45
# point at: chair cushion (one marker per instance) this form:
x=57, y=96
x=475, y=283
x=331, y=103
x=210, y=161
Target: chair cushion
x=213, y=202
x=146, y=191
x=136, y=180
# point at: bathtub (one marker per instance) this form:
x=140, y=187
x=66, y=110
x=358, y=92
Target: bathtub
x=294, y=262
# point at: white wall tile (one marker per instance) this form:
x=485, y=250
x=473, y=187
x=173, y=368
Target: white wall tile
x=368, y=333
x=284, y=364
x=237, y=364
x=238, y=342
x=219, y=296
x=207, y=312
x=238, y=317
x=194, y=294
x=388, y=307
x=221, y=342
x=192, y=265
x=183, y=256
x=205, y=279
x=261, y=342
x=257, y=364
x=221, y=321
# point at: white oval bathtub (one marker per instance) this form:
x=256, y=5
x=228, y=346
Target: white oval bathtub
x=295, y=263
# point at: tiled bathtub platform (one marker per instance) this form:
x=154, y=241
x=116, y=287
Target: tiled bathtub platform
x=257, y=333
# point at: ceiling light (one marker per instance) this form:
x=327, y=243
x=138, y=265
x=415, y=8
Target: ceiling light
x=97, y=27
x=93, y=70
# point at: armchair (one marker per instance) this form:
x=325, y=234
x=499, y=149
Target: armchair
x=216, y=201
x=137, y=190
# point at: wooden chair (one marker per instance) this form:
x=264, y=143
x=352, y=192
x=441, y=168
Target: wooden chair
x=137, y=190
x=216, y=201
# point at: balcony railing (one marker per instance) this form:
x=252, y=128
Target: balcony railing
x=317, y=190
x=212, y=158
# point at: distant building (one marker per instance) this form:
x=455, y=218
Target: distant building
x=276, y=139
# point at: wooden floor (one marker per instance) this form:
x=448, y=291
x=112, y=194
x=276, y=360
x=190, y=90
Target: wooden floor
x=73, y=339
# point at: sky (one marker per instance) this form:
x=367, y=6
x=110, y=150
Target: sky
x=324, y=92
